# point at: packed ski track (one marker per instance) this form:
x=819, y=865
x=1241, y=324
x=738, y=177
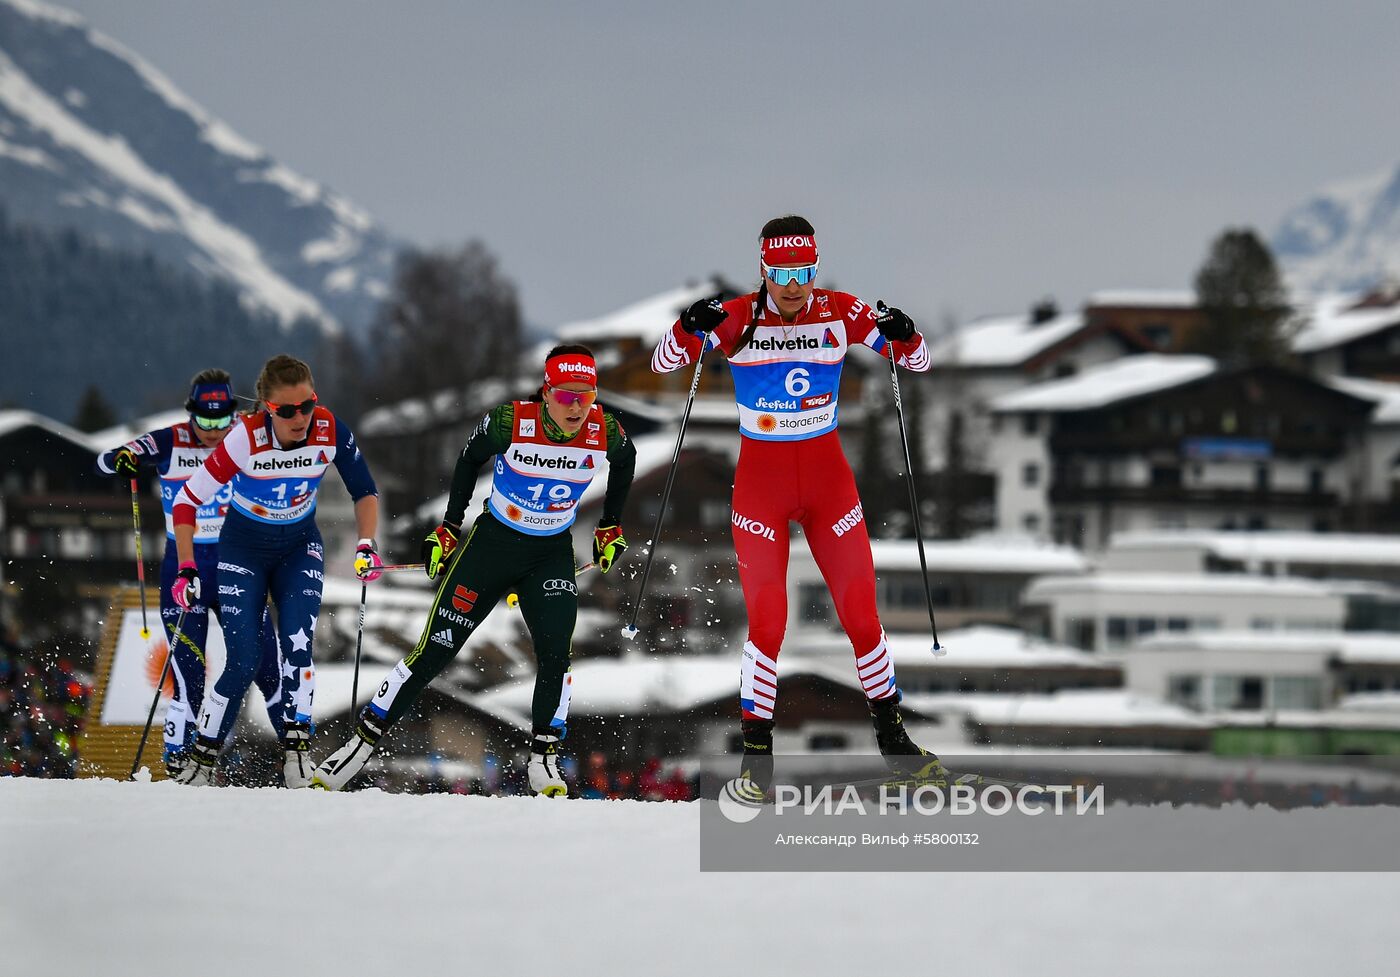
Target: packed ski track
x=102, y=877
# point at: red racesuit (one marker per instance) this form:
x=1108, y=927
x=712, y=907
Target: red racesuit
x=792, y=469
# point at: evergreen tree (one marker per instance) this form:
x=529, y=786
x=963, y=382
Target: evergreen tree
x=94, y=413
x=1243, y=302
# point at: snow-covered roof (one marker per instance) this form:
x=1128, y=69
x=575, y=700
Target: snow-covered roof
x=1004, y=341
x=1068, y=708
x=1346, y=549
x=419, y=413
x=645, y=320
x=1144, y=298
x=15, y=420
x=1353, y=647
x=1386, y=396
x=1181, y=584
x=674, y=683
x=1333, y=320
x=979, y=646
x=122, y=433
x=1099, y=386
x=981, y=554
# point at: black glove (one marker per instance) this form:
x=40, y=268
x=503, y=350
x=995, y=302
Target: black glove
x=893, y=324
x=124, y=462
x=704, y=315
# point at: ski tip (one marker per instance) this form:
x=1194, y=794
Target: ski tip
x=629, y=632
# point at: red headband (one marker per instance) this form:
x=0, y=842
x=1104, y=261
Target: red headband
x=797, y=249
x=570, y=368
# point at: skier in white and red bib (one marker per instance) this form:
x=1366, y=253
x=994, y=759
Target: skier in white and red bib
x=786, y=345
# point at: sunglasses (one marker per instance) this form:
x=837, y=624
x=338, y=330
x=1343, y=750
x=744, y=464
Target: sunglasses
x=288, y=411
x=567, y=398
x=781, y=276
x=211, y=423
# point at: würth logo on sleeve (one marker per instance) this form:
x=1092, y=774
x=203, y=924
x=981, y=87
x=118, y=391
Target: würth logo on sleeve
x=463, y=599
x=849, y=521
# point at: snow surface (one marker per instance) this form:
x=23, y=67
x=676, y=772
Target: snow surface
x=1099, y=386
x=232, y=252
x=980, y=554
x=1233, y=584
x=1332, y=321
x=1273, y=546
x=645, y=320
x=1003, y=341
x=436, y=885
x=1144, y=298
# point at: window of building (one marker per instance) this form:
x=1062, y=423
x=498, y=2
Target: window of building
x=1117, y=631
x=1261, y=476
x=1185, y=690
x=1144, y=626
x=1317, y=480
x=1030, y=424
x=1030, y=474
x=1166, y=476
x=814, y=603
x=1178, y=624
x=1238, y=692
x=1296, y=692
x=1263, y=624
x=819, y=742
x=1228, y=422
x=714, y=512
x=1207, y=624
x=1081, y=632
x=1030, y=522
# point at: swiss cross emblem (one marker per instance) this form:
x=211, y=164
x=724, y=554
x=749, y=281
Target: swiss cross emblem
x=463, y=599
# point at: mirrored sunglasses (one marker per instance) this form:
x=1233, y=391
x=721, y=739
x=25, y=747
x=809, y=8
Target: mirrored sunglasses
x=781, y=276
x=567, y=398
x=212, y=423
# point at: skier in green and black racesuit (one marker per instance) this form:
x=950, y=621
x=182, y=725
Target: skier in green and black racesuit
x=546, y=452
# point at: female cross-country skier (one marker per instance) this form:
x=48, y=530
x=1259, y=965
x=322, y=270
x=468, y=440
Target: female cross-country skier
x=274, y=459
x=785, y=346
x=547, y=451
x=177, y=452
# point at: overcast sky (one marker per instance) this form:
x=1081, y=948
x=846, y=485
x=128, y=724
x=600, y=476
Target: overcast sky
x=954, y=157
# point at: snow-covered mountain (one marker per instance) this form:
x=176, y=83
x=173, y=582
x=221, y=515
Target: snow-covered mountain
x=1345, y=238
x=93, y=137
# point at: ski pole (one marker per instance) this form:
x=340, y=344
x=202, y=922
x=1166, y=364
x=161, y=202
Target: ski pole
x=630, y=631
x=140, y=564
x=396, y=567
x=160, y=684
x=359, y=641
x=937, y=648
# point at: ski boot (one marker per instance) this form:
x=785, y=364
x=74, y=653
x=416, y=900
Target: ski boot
x=756, y=771
x=545, y=776
x=175, y=758
x=338, y=768
x=297, y=768
x=901, y=754
x=198, y=769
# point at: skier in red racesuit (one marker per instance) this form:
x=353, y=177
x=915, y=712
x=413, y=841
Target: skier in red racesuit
x=785, y=345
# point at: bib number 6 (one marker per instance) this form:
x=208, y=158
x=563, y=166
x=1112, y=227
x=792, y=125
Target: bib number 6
x=797, y=383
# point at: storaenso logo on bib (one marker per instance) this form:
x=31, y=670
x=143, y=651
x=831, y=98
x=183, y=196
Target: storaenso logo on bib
x=542, y=461
x=282, y=464
x=801, y=342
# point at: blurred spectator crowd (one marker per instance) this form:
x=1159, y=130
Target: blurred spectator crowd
x=42, y=705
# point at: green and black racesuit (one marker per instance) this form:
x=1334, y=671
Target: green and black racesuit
x=495, y=559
